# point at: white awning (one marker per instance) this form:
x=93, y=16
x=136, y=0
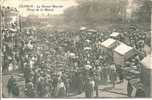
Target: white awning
x=123, y=49
x=83, y=28
x=91, y=30
x=115, y=34
x=108, y=43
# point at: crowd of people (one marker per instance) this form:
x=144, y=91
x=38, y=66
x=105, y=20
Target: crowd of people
x=57, y=64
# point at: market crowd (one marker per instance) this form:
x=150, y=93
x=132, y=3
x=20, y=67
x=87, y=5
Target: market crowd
x=60, y=64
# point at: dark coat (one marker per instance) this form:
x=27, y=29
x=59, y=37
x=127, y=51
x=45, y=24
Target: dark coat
x=15, y=90
x=10, y=84
x=140, y=93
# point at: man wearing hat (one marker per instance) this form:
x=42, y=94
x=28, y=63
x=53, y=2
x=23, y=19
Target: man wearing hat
x=96, y=85
x=87, y=88
x=113, y=75
x=61, y=90
x=13, y=89
x=120, y=73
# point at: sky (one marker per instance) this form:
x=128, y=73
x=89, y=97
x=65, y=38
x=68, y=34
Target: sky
x=25, y=12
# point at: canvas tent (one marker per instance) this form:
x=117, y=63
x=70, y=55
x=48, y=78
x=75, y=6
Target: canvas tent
x=115, y=34
x=122, y=53
x=109, y=43
x=107, y=47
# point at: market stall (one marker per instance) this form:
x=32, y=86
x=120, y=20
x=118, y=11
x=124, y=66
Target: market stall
x=122, y=53
x=108, y=45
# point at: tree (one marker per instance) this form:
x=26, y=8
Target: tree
x=141, y=14
x=96, y=12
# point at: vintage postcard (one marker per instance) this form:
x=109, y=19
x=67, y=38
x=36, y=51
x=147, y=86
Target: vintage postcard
x=75, y=48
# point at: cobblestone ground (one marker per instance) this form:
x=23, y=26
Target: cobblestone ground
x=105, y=90
x=0, y=85
x=5, y=80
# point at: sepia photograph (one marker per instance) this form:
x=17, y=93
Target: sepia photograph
x=75, y=49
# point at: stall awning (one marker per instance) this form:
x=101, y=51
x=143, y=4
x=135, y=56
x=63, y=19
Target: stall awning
x=91, y=30
x=115, y=34
x=83, y=28
x=122, y=53
x=109, y=43
x=123, y=49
